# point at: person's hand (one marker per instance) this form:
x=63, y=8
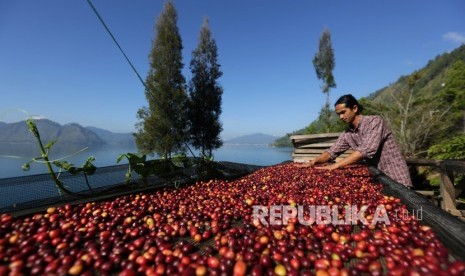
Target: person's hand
x=329, y=167
x=306, y=164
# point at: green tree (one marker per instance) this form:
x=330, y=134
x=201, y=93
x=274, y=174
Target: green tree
x=324, y=63
x=205, y=95
x=321, y=125
x=453, y=94
x=450, y=149
x=162, y=126
x=414, y=120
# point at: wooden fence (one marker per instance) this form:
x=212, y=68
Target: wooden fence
x=448, y=191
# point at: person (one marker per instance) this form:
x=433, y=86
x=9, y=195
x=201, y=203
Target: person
x=370, y=139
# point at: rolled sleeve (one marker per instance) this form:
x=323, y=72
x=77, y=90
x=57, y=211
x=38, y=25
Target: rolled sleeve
x=339, y=146
x=372, y=139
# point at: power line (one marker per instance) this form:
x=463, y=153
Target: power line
x=116, y=42
x=125, y=56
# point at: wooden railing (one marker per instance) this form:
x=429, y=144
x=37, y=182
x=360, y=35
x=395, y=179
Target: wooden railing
x=307, y=147
x=448, y=191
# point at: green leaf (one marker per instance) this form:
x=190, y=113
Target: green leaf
x=120, y=157
x=63, y=165
x=50, y=144
x=88, y=167
x=26, y=166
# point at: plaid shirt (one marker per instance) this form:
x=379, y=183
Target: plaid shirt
x=374, y=140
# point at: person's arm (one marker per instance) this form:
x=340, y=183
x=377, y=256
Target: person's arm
x=354, y=157
x=320, y=159
x=370, y=144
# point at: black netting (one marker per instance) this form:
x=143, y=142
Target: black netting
x=28, y=193
x=23, y=192
x=450, y=229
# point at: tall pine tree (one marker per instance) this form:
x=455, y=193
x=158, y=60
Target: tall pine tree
x=162, y=127
x=324, y=63
x=205, y=95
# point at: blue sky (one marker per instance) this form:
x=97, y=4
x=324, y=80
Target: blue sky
x=57, y=61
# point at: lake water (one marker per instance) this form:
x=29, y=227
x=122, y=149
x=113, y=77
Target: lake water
x=106, y=156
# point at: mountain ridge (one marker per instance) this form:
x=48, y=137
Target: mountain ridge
x=253, y=139
x=15, y=138
x=74, y=136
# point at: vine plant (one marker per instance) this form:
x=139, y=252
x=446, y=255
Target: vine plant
x=138, y=164
x=87, y=169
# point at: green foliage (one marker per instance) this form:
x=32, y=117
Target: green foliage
x=369, y=107
x=87, y=169
x=162, y=127
x=415, y=119
x=450, y=149
x=324, y=63
x=453, y=94
x=179, y=160
x=435, y=68
x=285, y=141
x=327, y=122
x=206, y=158
x=205, y=93
x=138, y=164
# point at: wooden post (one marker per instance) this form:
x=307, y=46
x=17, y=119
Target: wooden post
x=447, y=191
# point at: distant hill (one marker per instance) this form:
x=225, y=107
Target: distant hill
x=256, y=139
x=112, y=138
x=15, y=138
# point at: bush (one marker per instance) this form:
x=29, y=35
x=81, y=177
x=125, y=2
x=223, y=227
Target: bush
x=449, y=149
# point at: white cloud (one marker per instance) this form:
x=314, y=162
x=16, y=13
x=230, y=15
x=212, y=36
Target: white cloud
x=38, y=117
x=454, y=37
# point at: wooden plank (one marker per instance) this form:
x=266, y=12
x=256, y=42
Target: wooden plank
x=309, y=150
x=449, y=167
x=308, y=147
x=304, y=159
x=421, y=162
x=315, y=145
x=457, y=213
x=447, y=191
x=315, y=150
x=313, y=140
x=425, y=193
x=312, y=156
x=454, y=165
x=312, y=136
x=305, y=142
x=300, y=143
